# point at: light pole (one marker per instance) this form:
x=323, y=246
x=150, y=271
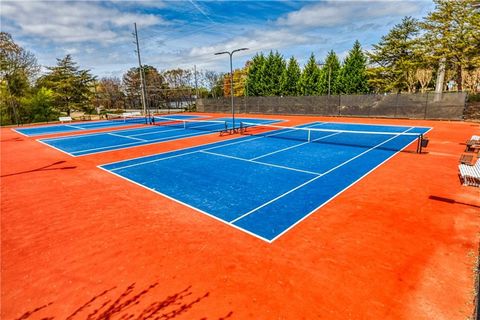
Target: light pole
x=230, y=53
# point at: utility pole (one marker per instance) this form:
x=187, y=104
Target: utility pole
x=196, y=83
x=142, y=76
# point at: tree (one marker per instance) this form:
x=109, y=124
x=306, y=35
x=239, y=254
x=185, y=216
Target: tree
x=310, y=78
x=396, y=56
x=156, y=87
x=255, y=85
x=71, y=86
x=452, y=35
x=180, y=90
x=18, y=68
x=40, y=105
x=239, y=79
x=329, y=74
x=272, y=71
x=109, y=94
x=211, y=79
x=289, y=83
x=423, y=76
x=352, y=77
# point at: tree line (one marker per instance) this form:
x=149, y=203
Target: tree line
x=442, y=49
x=443, y=46
x=28, y=96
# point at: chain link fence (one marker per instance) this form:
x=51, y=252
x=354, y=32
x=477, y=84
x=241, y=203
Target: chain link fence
x=443, y=106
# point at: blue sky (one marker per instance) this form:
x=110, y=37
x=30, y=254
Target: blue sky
x=181, y=34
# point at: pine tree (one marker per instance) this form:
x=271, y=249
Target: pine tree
x=452, y=33
x=352, y=78
x=329, y=74
x=310, y=78
x=254, y=85
x=71, y=86
x=289, y=83
x=272, y=71
x=396, y=56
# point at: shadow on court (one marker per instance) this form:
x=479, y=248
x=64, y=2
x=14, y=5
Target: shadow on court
x=12, y=139
x=126, y=305
x=44, y=168
x=452, y=201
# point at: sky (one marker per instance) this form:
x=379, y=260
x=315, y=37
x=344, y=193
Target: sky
x=184, y=34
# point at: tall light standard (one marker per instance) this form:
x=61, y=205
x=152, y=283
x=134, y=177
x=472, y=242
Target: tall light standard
x=329, y=74
x=230, y=53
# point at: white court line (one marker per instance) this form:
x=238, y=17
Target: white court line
x=343, y=190
x=63, y=151
x=23, y=134
x=321, y=175
x=177, y=129
x=75, y=127
x=129, y=145
x=259, y=162
x=126, y=137
x=238, y=140
x=295, y=146
x=187, y=205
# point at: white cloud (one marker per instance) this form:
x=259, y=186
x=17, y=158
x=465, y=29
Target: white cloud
x=62, y=21
x=339, y=13
x=256, y=41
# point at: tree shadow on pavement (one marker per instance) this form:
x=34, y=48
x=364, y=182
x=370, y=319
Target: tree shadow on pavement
x=128, y=305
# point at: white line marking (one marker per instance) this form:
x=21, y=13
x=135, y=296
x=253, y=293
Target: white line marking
x=187, y=205
x=241, y=139
x=259, y=162
x=75, y=127
x=72, y=155
x=341, y=191
x=321, y=175
x=129, y=145
x=126, y=137
x=23, y=134
x=295, y=146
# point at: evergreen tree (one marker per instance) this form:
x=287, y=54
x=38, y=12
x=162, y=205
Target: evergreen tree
x=72, y=87
x=352, y=78
x=289, y=83
x=329, y=74
x=453, y=34
x=310, y=78
x=272, y=71
x=396, y=57
x=254, y=85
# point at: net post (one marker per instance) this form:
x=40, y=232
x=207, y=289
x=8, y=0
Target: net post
x=419, y=143
x=184, y=124
x=309, y=135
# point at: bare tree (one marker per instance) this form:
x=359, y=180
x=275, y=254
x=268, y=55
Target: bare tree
x=424, y=76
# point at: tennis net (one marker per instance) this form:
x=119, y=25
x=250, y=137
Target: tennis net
x=205, y=125
x=130, y=118
x=349, y=138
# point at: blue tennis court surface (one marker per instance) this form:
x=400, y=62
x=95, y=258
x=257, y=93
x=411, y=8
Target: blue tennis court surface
x=86, y=144
x=80, y=126
x=266, y=183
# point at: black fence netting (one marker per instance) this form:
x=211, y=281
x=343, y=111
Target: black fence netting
x=450, y=106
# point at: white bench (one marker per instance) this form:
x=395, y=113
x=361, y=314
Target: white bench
x=65, y=119
x=470, y=175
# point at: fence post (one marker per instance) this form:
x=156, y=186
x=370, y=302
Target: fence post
x=426, y=108
x=339, y=103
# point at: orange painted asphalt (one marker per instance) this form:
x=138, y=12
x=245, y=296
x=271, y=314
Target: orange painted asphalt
x=78, y=241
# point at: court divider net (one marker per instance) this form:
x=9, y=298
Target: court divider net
x=347, y=138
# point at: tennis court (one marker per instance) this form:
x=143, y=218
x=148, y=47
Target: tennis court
x=266, y=182
x=90, y=125
x=167, y=129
